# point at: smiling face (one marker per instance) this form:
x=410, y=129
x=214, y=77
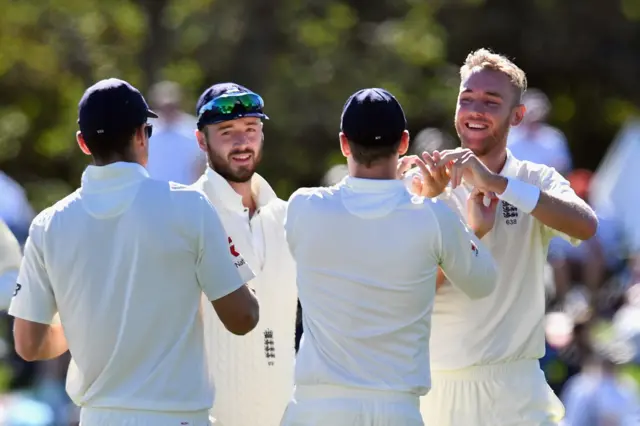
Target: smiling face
x=234, y=147
x=488, y=105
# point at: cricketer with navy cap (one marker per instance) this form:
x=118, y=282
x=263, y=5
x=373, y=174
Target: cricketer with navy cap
x=253, y=374
x=367, y=254
x=124, y=261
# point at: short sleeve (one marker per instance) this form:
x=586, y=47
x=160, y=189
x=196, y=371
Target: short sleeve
x=220, y=268
x=33, y=298
x=465, y=261
x=553, y=183
x=291, y=218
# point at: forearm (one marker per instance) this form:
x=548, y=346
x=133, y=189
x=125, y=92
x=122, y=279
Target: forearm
x=573, y=218
x=570, y=215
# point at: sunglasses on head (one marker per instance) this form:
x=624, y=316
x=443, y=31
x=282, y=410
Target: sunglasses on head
x=230, y=103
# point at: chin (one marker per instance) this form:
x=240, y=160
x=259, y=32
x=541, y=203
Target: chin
x=476, y=146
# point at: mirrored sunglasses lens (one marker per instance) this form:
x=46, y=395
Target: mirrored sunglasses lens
x=226, y=104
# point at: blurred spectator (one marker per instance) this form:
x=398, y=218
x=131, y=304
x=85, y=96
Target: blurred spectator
x=568, y=347
x=626, y=322
x=15, y=209
x=174, y=154
x=534, y=140
x=594, y=262
x=10, y=258
x=597, y=397
x=431, y=139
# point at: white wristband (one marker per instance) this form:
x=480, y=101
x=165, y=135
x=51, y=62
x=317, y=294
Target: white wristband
x=521, y=195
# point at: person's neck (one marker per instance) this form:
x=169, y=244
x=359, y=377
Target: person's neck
x=386, y=170
x=116, y=159
x=496, y=160
x=244, y=190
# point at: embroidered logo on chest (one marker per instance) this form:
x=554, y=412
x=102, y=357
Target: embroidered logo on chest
x=510, y=213
x=269, y=347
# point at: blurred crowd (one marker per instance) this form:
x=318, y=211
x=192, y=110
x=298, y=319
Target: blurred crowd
x=593, y=290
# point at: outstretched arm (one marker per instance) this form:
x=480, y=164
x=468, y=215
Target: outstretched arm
x=554, y=204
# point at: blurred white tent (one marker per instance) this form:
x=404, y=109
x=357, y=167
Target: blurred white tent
x=615, y=188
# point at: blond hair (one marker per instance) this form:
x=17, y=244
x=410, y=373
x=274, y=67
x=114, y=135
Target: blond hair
x=486, y=59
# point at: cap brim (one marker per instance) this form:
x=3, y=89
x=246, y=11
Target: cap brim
x=223, y=118
x=151, y=114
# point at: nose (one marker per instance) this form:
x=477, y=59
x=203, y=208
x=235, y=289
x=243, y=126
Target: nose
x=240, y=139
x=477, y=109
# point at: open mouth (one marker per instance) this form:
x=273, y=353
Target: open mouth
x=241, y=158
x=476, y=126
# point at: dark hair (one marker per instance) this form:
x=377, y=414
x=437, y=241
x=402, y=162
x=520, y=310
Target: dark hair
x=367, y=155
x=104, y=147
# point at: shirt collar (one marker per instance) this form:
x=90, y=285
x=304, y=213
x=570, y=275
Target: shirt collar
x=222, y=194
x=372, y=185
x=112, y=176
x=510, y=167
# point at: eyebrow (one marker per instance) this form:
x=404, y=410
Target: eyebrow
x=492, y=94
x=231, y=126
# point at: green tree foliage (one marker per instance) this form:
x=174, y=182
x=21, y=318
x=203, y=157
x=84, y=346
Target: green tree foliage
x=305, y=57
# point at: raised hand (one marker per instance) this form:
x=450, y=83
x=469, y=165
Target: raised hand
x=432, y=180
x=481, y=215
x=463, y=163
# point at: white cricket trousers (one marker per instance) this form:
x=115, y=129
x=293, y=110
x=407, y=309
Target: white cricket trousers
x=325, y=405
x=112, y=417
x=509, y=394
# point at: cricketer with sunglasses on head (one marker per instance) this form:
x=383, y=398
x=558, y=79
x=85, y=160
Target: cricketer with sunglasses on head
x=253, y=374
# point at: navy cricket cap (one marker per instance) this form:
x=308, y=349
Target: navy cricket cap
x=111, y=107
x=373, y=117
x=218, y=90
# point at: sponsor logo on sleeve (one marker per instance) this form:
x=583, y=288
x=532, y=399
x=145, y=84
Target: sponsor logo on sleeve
x=239, y=261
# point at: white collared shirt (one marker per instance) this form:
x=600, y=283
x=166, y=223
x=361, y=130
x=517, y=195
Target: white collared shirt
x=10, y=257
x=507, y=325
x=367, y=255
x=124, y=260
x=254, y=373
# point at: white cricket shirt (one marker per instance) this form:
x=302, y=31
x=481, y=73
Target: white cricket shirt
x=10, y=257
x=125, y=260
x=367, y=254
x=253, y=374
x=507, y=325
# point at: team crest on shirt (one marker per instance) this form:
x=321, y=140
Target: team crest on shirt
x=510, y=213
x=269, y=347
x=474, y=249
